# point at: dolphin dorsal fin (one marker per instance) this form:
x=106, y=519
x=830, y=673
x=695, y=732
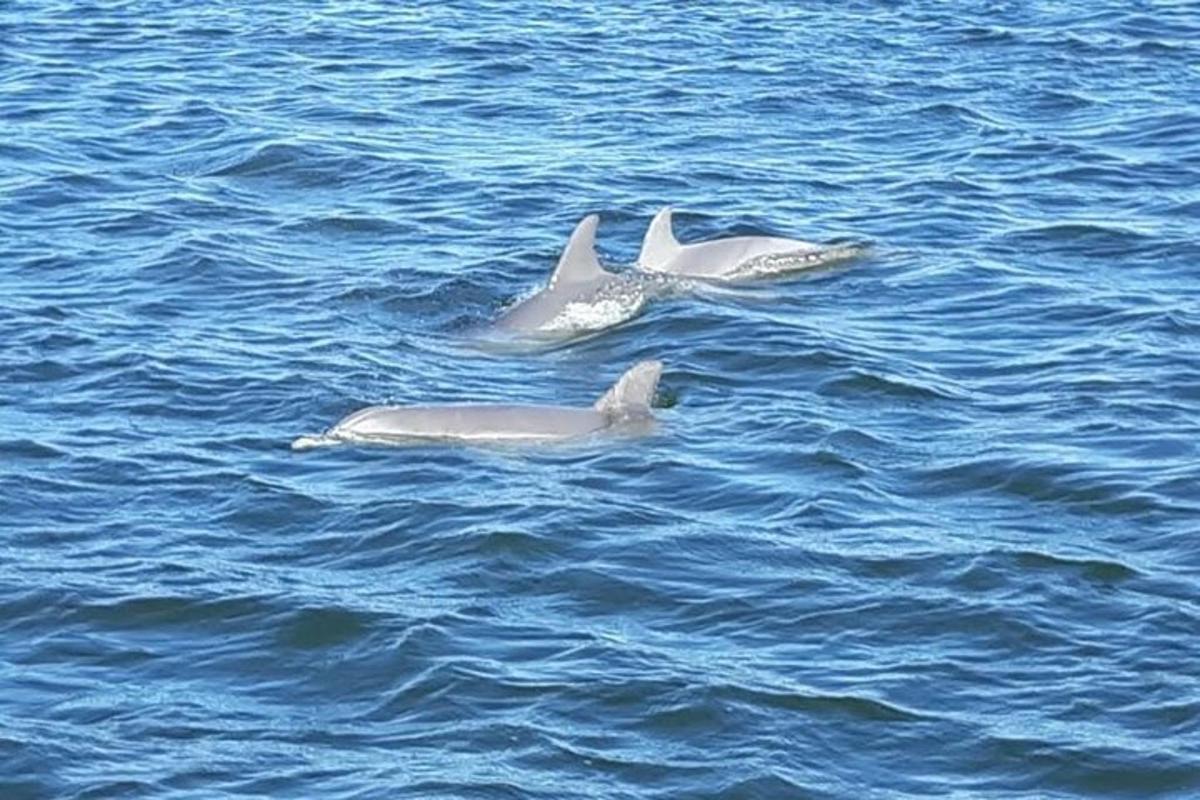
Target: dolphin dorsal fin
x=659, y=245
x=632, y=393
x=578, y=261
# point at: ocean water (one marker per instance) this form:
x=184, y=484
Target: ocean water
x=921, y=525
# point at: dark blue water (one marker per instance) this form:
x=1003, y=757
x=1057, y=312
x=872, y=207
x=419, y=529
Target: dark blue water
x=925, y=524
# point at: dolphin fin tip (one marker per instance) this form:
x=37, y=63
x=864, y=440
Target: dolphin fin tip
x=634, y=391
x=578, y=261
x=659, y=245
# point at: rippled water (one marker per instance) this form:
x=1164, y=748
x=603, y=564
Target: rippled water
x=923, y=524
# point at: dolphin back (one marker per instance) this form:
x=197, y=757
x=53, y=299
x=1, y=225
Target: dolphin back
x=633, y=392
x=578, y=270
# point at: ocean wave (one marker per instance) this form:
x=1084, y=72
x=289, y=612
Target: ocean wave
x=920, y=524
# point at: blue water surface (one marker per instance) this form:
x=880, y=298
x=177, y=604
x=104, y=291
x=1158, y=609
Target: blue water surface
x=921, y=525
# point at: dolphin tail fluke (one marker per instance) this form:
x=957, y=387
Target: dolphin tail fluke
x=659, y=245
x=632, y=394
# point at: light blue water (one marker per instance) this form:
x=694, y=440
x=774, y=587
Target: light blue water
x=922, y=525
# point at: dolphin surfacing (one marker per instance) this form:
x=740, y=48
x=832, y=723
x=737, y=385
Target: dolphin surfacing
x=731, y=258
x=581, y=295
x=624, y=405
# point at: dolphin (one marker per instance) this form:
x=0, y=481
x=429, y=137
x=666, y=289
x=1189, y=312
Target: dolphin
x=625, y=406
x=732, y=258
x=580, y=295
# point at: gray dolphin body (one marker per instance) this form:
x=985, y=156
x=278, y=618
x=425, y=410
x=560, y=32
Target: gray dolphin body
x=732, y=258
x=581, y=295
x=626, y=405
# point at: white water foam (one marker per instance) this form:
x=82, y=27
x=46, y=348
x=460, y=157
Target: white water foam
x=595, y=315
x=779, y=263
